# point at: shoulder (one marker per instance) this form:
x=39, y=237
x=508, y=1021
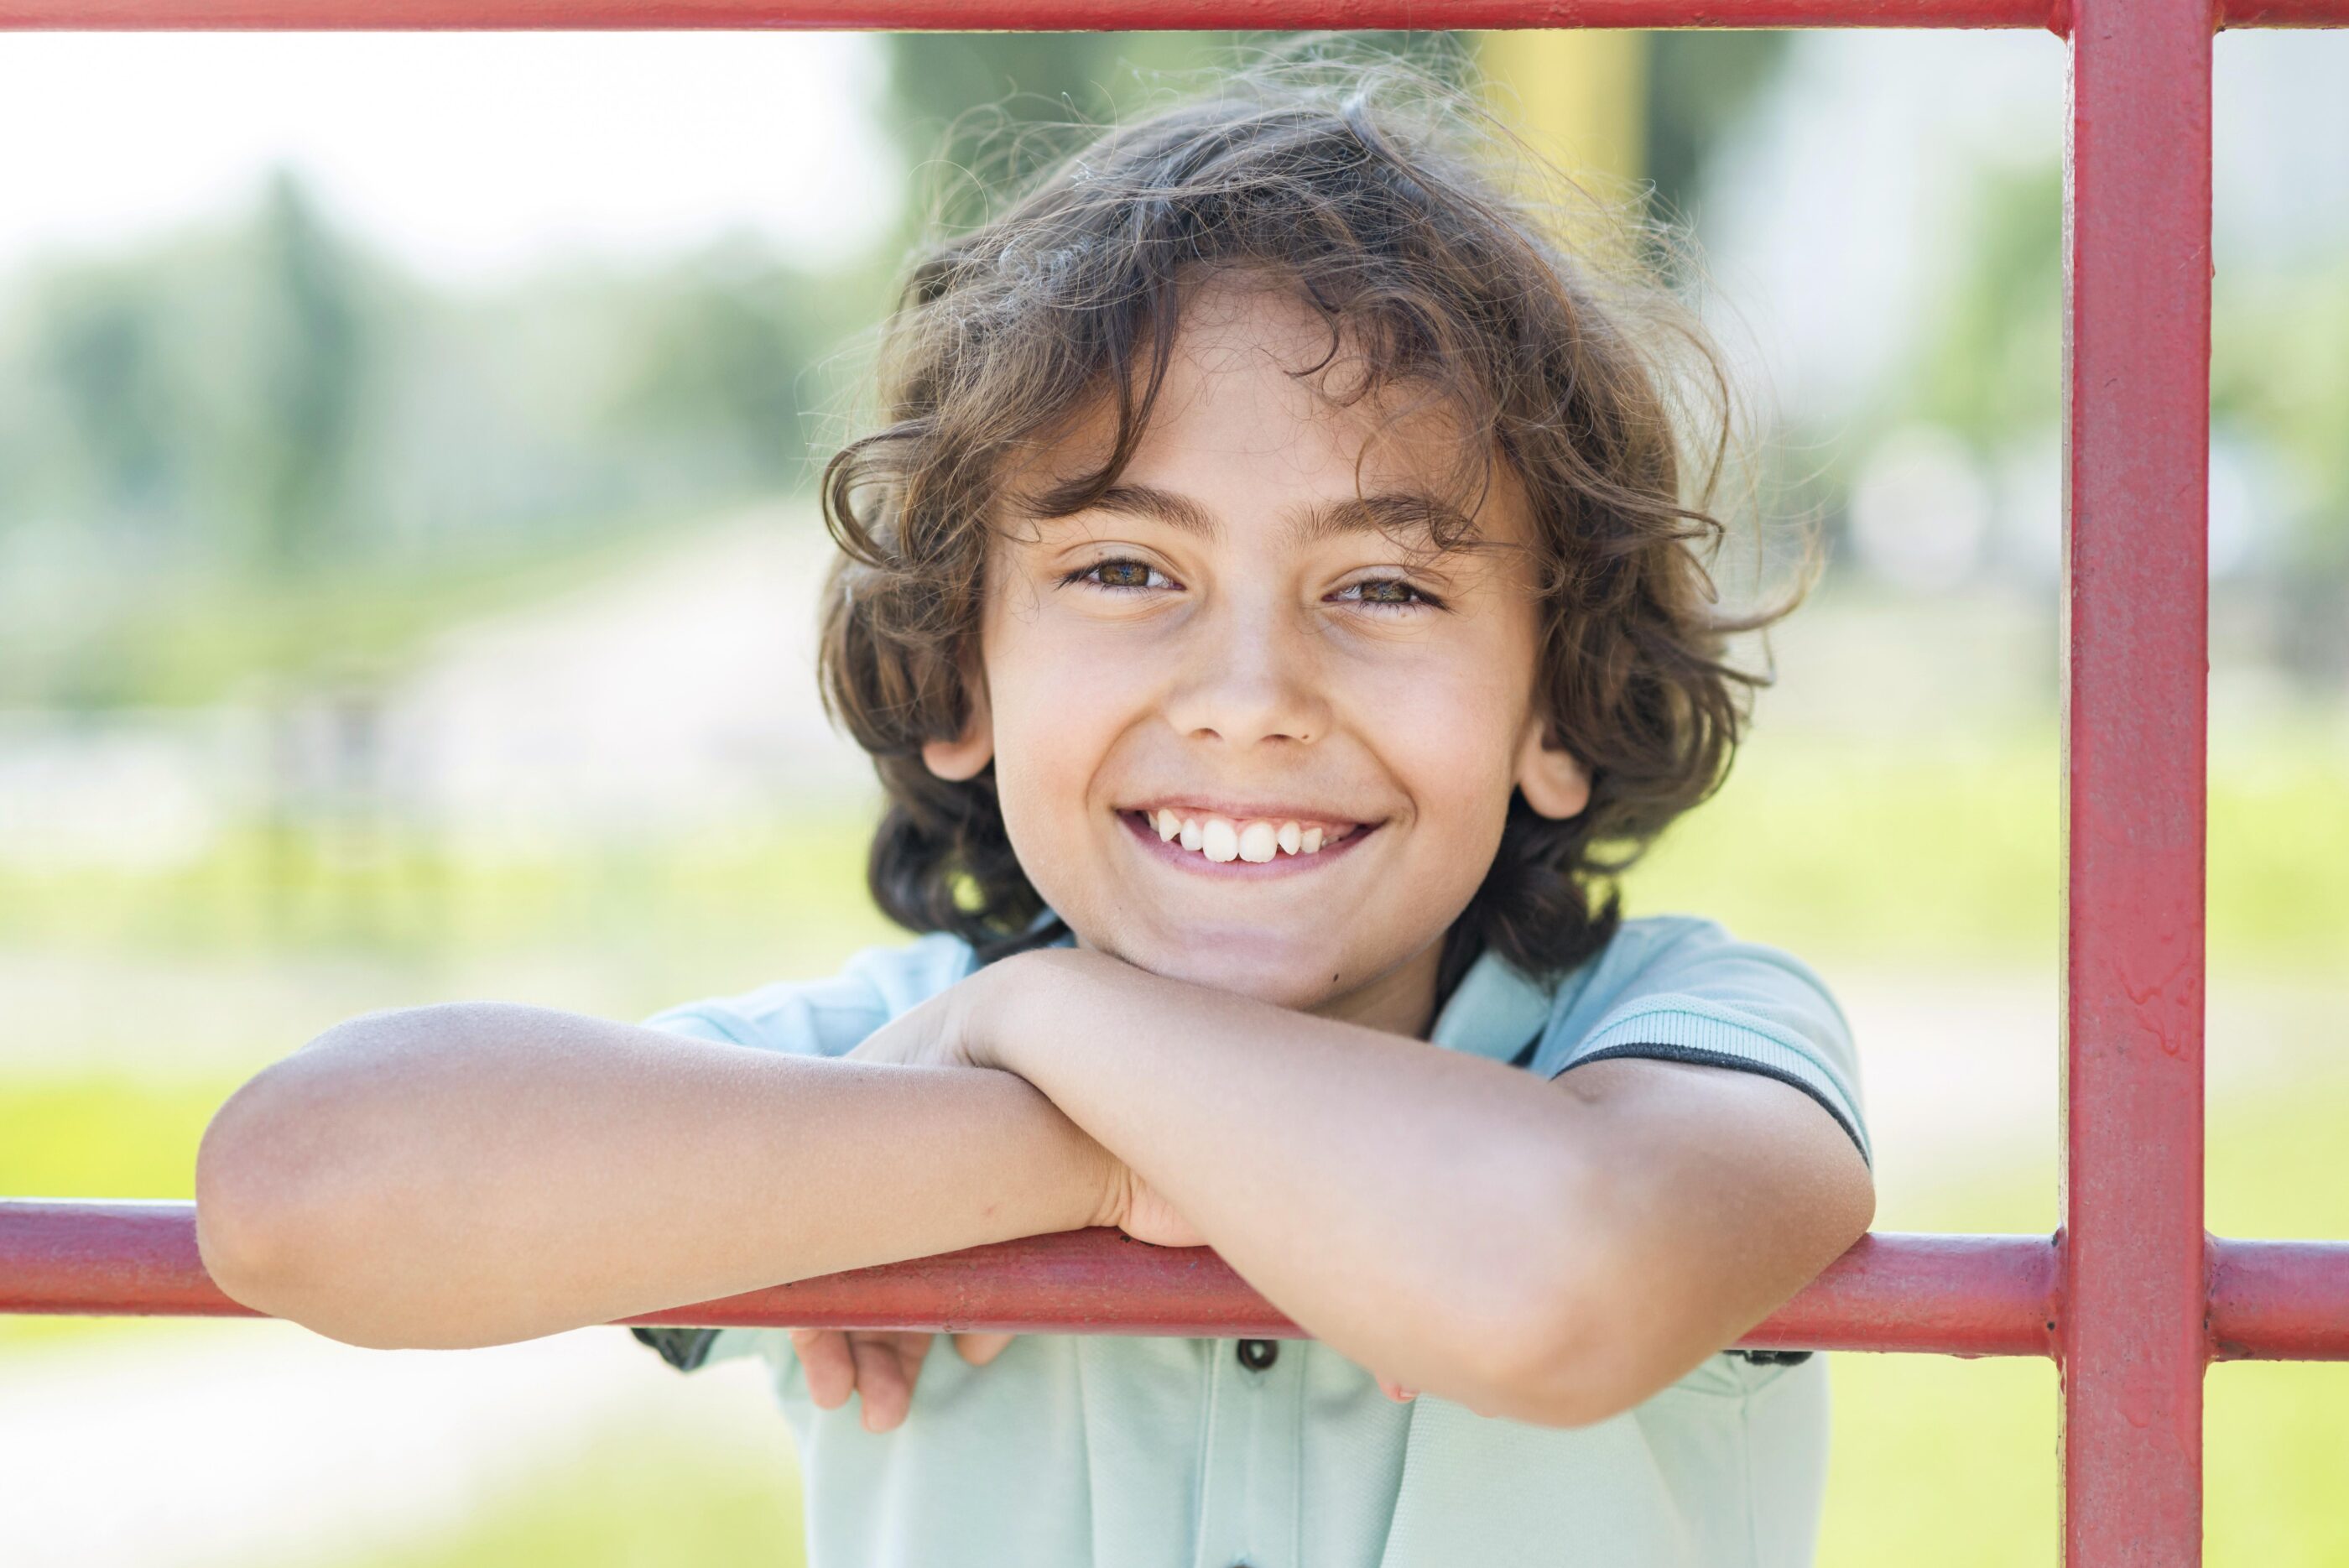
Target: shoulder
x=1656, y=957
x=831, y=1015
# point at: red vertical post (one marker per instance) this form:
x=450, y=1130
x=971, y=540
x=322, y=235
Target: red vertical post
x=2137, y=394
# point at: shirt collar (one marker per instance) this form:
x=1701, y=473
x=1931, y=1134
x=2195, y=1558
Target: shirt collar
x=1494, y=1010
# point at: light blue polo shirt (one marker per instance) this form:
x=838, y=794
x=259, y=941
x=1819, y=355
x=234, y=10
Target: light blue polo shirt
x=1120, y=1451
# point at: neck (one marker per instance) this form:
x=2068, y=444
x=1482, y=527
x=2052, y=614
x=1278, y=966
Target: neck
x=1402, y=1000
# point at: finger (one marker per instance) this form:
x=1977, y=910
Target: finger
x=910, y=1348
x=831, y=1369
x=1395, y=1391
x=905, y=1348
x=978, y=1349
x=881, y=1381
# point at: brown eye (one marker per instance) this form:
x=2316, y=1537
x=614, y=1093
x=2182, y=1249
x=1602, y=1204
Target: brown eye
x=1388, y=593
x=1121, y=574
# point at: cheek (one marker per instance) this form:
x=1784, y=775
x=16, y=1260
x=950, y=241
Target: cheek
x=1449, y=734
x=1057, y=712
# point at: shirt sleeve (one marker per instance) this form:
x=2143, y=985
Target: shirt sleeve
x=1704, y=996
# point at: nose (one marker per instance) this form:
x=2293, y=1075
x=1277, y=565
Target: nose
x=1251, y=671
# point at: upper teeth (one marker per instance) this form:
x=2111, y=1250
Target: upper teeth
x=1220, y=838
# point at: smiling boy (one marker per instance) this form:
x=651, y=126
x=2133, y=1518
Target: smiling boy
x=1273, y=588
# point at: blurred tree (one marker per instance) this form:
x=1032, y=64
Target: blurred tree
x=1702, y=89
x=1635, y=106
x=311, y=345
x=719, y=350
x=187, y=424
x=1990, y=367
x=958, y=102
x=974, y=112
x=106, y=353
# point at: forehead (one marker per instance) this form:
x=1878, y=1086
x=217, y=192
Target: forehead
x=1262, y=407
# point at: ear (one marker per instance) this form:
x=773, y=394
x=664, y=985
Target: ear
x=963, y=757
x=1553, y=779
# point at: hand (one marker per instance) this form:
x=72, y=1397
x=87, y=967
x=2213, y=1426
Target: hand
x=947, y=1030
x=1136, y=1208
x=881, y=1365
x=939, y=1032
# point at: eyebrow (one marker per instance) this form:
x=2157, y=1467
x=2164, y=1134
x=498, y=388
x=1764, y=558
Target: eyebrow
x=1399, y=511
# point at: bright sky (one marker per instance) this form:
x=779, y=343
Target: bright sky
x=467, y=154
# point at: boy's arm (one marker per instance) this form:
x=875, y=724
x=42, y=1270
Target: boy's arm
x=1454, y=1224
x=477, y=1173
x=1731, y=1191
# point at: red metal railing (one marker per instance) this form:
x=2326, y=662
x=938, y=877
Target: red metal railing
x=2131, y=1297
x=1944, y=1296
x=1103, y=16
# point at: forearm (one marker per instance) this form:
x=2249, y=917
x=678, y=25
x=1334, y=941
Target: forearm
x=478, y=1173
x=1412, y=1206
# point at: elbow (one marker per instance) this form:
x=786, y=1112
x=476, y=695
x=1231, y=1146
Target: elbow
x=278, y=1183
x=1548, y=1367
x=256, y=1199
x=1552, y=1352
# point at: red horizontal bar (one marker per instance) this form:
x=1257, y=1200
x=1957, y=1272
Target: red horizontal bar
x=2278, y=1300
x=1023, y=15
x=1081, y=15
x=1948, y=1295
x=2285, y=13
x=1953, y=1295
x=1957, y=1295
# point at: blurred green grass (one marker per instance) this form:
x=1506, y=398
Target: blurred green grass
x=1948, y=851
x=790, y=886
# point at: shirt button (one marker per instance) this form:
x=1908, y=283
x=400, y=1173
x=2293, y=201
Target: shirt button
x=1257, y=1354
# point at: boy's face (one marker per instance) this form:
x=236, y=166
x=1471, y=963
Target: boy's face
x=1222, y=643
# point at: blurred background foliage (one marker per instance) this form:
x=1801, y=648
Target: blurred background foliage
x=370, y=636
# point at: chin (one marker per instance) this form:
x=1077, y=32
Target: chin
x=1269, y=971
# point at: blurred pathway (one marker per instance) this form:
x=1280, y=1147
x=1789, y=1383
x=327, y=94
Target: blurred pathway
x=237, y=1442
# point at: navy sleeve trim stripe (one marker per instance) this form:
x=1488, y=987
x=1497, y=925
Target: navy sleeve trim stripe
x=683, y=1348
x=1725, y=1059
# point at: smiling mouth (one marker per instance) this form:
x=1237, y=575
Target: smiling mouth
x=1200, y=838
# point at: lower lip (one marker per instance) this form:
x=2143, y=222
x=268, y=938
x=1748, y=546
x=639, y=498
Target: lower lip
x=1171, y=850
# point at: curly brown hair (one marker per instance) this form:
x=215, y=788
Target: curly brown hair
x=1376, y=195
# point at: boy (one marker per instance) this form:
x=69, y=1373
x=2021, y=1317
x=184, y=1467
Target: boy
x=1274, y=610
